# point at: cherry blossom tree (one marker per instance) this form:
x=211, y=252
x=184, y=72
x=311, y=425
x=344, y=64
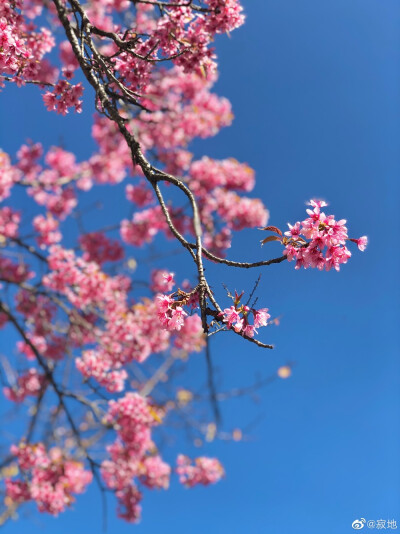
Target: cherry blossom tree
x=85, y=331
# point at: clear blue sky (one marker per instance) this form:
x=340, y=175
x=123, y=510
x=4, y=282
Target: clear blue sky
x=315, y=91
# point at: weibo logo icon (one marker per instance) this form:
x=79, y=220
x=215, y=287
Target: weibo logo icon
x=358, y=524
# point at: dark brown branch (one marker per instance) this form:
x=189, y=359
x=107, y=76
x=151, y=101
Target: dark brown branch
x=241, y=265
x=152, y=174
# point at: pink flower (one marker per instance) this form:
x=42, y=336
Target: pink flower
x=261, y=317
x=170, y=315
x=177, y=318
x=231, y=316
x=294, y=231
x=239, y=325
x=336, y=256
x=162, y=281
x=249, y=330
x=362, y=243
x=164, y=303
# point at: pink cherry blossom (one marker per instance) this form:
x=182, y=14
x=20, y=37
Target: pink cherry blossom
x=231, y=316
x=9, y=222
x=63, y=97
x=29, y=383
x=100, y=249
x=327, y=237
x=261, y=317
x=170, y=315
x=204, y=471
x=162, y=281
x=47, y=229
x=50, y=479
x=96, y=336
x=361, y=242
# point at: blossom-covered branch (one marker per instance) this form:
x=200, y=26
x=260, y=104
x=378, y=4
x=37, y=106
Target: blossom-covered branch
x=88, y=341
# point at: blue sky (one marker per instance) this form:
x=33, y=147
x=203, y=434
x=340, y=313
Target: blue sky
x=315, y=91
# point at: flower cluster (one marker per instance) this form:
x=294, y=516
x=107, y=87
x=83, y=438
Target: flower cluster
x=29, y=383
x=132, y=456
x=180, y=33
x=82, y=282
x=22, y=46
x=95, y=364
x=214, y=184
x=162, y=281
x=170, y=313
x=139, y=194
x=320, y=240
x=183, y=107
x=100, y=249
x=49, y=479
x=51, y=347
x=47, y=230
x=9, y=222
x=143, y=227
x=237, y=317
x=207, y=174
x=240, y=212
x=190, y=337
x=14, y=272
x=203, y=471
x=78, y=304
x=63, y=97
